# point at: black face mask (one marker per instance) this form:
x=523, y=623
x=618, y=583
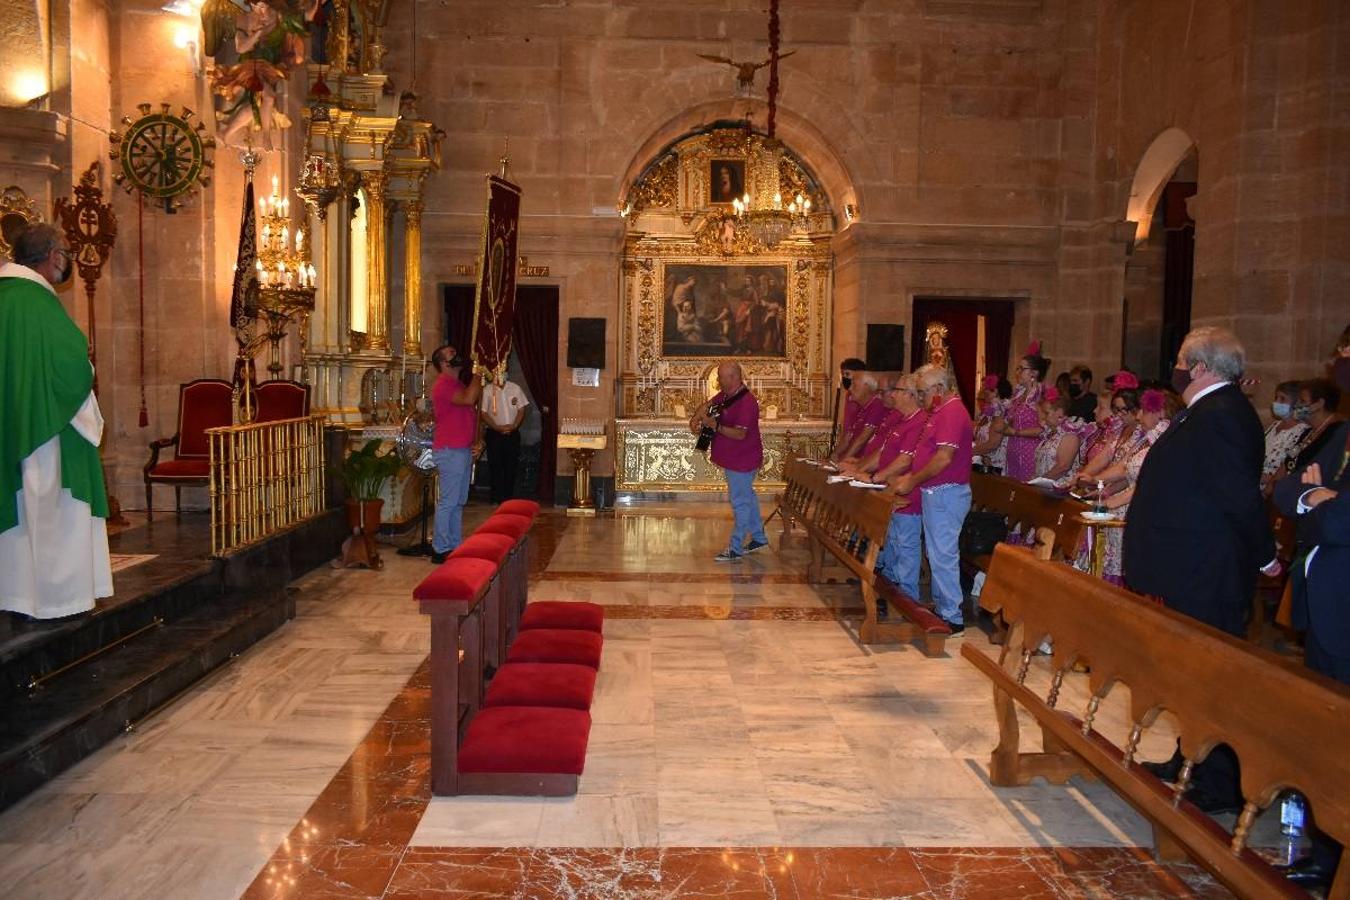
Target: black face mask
x=1075, y=391
x=1181, y=379
x=846, y=382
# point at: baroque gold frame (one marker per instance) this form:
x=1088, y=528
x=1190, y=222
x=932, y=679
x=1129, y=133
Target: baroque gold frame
x=672, y=221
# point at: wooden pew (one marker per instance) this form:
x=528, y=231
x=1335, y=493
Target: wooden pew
x=1289, y=727
x=849, y=525
x=1051, y=517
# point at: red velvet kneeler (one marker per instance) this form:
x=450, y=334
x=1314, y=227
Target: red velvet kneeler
x=557, y=645
x=564, y=685
x=563, y=614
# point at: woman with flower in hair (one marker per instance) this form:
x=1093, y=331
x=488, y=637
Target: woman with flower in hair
x=995, y=392
x=1109, y=455
x=1022, y=424
x=1152, y=424
x=1057, y=453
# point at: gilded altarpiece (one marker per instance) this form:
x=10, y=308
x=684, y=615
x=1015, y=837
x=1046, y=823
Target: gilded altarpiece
x=701, y=285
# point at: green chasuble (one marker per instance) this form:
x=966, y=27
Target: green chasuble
x=45, y=377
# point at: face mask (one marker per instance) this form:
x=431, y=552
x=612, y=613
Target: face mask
x=1281, y=410
x=846, y=382
x=1181, y=379
x=1302, y=413
x=1075, y=391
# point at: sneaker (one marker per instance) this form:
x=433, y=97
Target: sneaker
x=728, y=556
x=755, y=545
x=958, y=629
x=438, y=558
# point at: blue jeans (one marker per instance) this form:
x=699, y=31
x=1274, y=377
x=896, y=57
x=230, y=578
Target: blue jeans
x=746, y=520
x=455, y=466
x=944, y=510
x=900, y=553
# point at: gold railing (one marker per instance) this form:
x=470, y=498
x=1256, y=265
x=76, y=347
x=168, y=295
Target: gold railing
x=264, y=477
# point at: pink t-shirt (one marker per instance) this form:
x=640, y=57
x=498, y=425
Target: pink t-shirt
x=456, y=423
x=851, y=408
x=947, y=426
x=746, y=454
x=869, y=414
x=893, y=418
x=904, y=438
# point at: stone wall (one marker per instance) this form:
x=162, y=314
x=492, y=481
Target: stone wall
x=989, y=146
x=1261, y=88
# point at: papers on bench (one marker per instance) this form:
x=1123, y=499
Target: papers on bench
x=835, y=479
x=1043, y=482
x=866, y=485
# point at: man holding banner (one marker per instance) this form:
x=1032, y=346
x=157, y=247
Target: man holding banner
x=454, y=399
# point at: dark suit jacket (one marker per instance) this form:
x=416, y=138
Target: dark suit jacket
x=1197, y=532
x=1321, y=596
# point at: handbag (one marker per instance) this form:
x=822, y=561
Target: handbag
x=981, y=532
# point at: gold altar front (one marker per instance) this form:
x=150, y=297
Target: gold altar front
x=658, y=455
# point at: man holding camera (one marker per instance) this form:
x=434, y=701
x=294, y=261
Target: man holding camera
x=739, y=452
x=454, y=399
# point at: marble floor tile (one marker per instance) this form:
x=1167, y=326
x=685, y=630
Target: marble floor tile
x=480, y=822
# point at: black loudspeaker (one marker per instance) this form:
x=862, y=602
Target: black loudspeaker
x=885, y=348
x=586, y=343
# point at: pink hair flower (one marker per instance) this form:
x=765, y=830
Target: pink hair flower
x=1051, y=394
x=1125, y=380
x=1151, y=401
x=1034, y=348
x=990, y=382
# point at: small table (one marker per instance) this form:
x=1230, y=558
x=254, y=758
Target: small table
x=1097, y=529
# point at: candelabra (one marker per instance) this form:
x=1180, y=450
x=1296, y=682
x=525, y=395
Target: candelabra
x=771, y=224
x=285, y=275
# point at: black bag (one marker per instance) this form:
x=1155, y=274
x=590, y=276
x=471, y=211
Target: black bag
x=981, y=531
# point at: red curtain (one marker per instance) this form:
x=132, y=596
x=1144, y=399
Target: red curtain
x=959, y=315
x=535, y=337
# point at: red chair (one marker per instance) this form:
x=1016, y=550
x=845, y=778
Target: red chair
x=202, y=404
x=279, y=400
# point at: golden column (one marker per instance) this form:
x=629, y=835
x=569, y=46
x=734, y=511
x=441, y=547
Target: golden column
x=412, y=278
x=377, y=313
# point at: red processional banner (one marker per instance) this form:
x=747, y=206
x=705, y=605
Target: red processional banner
x=494, y=305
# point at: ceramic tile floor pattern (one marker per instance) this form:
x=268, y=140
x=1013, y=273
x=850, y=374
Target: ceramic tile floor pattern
x=744, y=744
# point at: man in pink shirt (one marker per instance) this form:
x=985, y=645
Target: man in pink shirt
x=738, y=450
x=849, y=369
x=454, y=400
x=941, y=474
x=870, y=413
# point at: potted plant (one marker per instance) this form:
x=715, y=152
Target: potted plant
x=364, y=473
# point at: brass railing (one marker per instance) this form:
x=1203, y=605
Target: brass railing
x=264, y=477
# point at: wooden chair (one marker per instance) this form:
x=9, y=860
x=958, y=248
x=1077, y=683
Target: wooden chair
x=278, y=400
x=202, y=404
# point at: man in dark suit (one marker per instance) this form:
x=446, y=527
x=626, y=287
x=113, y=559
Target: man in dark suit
x=1197, y=533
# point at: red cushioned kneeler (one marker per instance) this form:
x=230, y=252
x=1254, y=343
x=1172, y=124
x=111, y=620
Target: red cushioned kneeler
x=557, y=645
x=561, y=685
x=492, y=547
x=524, y=750
x=456, y=579
x=505, y=523
x=563, y=614
x=520, y=508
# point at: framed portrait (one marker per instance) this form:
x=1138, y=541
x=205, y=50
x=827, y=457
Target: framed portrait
x=726, y=180
x=725, y=310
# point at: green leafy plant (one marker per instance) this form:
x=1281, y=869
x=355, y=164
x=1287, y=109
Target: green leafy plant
x=365, y=470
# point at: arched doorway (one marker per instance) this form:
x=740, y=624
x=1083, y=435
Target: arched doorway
x=1159, y=275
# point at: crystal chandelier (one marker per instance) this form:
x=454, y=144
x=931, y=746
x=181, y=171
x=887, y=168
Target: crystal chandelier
x=771, y=225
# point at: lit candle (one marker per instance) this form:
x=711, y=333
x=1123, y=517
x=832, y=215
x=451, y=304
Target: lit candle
x=285, y=235
x=312, y=275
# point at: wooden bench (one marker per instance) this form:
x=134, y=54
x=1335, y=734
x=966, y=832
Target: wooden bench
x=1051, y=517
x=1289, y=727
x=851, y=523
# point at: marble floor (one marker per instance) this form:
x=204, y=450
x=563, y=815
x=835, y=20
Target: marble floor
x=744, y=744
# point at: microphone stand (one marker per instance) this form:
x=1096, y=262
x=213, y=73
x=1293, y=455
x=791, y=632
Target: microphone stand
x=423, y=547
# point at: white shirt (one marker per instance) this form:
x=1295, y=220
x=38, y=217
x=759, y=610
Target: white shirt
x=1209, y=390
x=503, y=402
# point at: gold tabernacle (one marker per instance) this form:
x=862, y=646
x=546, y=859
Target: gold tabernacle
x=264, y=477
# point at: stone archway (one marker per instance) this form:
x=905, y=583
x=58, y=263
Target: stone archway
x=1155, y=169
x=805, y=140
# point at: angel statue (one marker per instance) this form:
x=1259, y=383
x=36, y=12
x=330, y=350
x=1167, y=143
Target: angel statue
x=265, y=39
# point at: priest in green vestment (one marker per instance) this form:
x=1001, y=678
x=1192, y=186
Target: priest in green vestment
x=53, y=505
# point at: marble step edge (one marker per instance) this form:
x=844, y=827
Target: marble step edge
x=63, y=739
